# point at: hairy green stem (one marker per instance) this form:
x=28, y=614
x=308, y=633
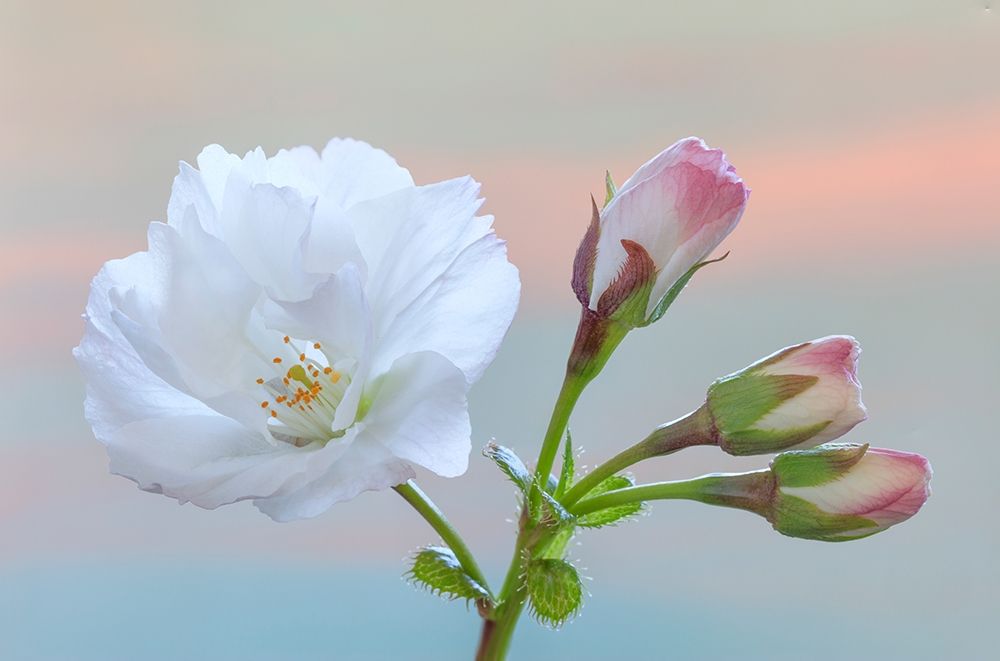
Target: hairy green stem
x=439, y=522
x=692, y=429
x=596, y=339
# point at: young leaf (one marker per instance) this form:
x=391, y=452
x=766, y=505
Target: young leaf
x=612, y=514
x=555, y=590
x=567, y=472
x=610, y=190
x=510, y=464
x=553, y=513
x=437, y=569
x=676, y=289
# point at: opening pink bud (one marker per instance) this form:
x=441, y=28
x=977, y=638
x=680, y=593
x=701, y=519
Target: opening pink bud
x=678, y=207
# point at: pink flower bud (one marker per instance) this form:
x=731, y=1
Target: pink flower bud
x=677, y=208
x=799, y=397
x=841, y=492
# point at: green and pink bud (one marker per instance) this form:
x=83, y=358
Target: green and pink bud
x=645, y=245
x=641, y=249
x=839, y=492
x=799, y=397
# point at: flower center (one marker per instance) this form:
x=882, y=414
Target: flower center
x=303, y=397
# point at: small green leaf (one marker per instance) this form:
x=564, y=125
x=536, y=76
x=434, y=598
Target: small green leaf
x=676, y=289
x=555, y=590
x=553, y=513
x=567, y=472
x=610, y=190
x=437, y=569
x=510, y=464
x=612, y=514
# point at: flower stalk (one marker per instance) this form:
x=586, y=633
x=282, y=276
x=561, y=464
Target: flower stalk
x=693, y=429
x=746, y=491
x=431, y=513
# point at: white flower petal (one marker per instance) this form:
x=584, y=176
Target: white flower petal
x=419, y=413
x=264, y=227
x=463, y=314
x=120, y=386
x=330, y=243
x=193, y=304
x=353, y=171
x=425, y=288
x=209, y=460
x=364, y=466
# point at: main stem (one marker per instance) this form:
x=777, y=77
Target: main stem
x=572, y=387
x=439, y=522
x=596, y=339
x=513, y=595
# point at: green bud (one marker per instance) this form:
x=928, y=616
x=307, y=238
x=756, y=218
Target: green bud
x=555, y=590
x=437, y=569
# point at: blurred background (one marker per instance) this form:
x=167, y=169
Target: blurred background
x=869, y=133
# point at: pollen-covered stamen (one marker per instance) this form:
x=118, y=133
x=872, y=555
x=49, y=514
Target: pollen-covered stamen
x=303, y=398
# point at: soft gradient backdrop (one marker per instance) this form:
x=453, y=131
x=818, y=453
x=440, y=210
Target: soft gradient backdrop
x=869, y=133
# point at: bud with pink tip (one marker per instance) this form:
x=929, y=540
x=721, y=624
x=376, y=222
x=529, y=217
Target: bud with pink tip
x=656, y=230
x=839, y=492
x=799, y=397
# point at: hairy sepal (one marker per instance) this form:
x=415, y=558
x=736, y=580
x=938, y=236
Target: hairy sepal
x=555, y=591
x=436, y=568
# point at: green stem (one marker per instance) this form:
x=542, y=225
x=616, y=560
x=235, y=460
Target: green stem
x=496, y=635
x=596, y=339
x=692, y=429
x=570, y=392
x=439, y=522
x=748, y=491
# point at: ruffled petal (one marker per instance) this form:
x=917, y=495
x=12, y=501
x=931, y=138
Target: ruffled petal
x=462, y=314
x=364, y=465
x=190, y=313
x=425, y=288
x=120, y=387
x=264, y=227
x=209, y=460
x=419, y=412
x=353, y=171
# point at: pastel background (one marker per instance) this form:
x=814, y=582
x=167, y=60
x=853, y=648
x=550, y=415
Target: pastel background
x=869, y=133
